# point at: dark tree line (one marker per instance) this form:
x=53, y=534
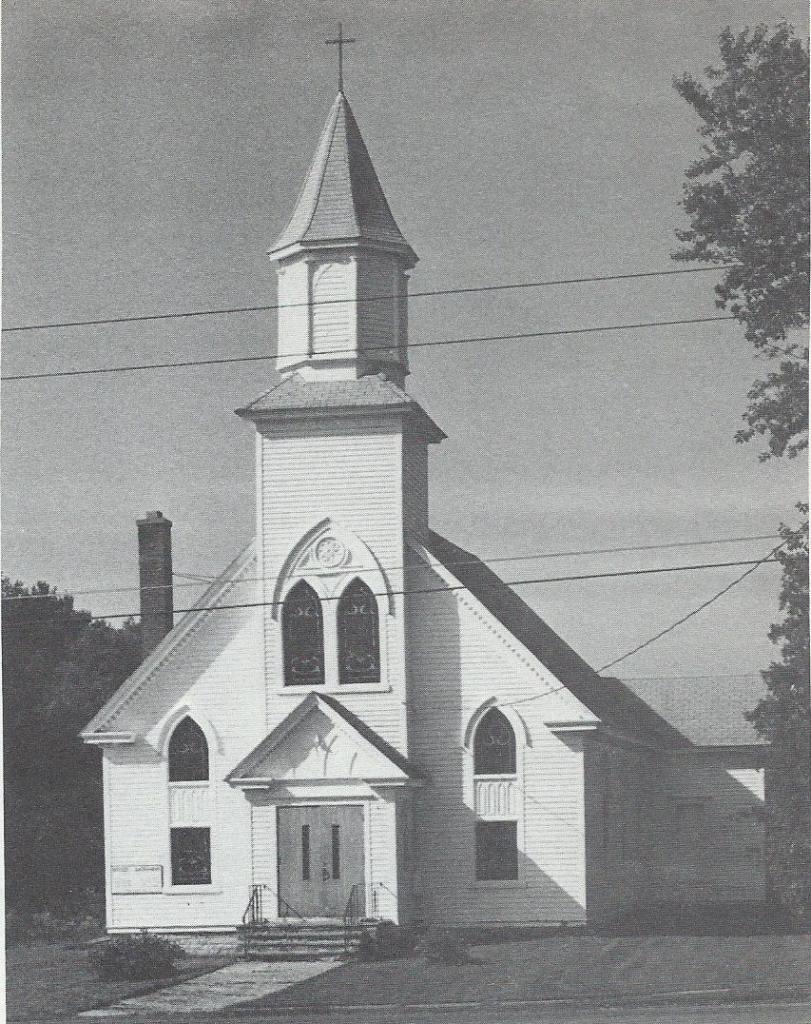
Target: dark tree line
x=59, y=667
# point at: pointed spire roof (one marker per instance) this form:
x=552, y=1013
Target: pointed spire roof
x=342, y=199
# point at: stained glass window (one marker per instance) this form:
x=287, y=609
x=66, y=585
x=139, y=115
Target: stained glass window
x=303, y=637
x=358, y=639
x=188, y=753
x=191, y=856
x=494, y=746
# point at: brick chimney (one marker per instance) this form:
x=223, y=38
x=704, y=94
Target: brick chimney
x=155, y=568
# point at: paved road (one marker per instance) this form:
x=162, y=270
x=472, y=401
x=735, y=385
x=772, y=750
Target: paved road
x=759, y=1013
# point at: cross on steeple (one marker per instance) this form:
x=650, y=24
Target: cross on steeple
x=340, y=42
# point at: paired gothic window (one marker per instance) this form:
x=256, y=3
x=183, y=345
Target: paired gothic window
x=358, y=644
x=494, y=745
x=358, y=636
x=188, y=753
x=303, y=637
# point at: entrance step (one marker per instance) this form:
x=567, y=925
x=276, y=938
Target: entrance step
x=274, y=941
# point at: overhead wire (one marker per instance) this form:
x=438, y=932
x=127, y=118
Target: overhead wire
x=456, y=587
x=365, y=299
x=226, y=360
x=199, y=579
x=725, y=590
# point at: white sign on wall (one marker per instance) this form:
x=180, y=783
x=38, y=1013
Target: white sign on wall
x=134, y=878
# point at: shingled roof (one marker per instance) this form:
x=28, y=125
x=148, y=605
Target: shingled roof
x=294, y=394
x=342, y=199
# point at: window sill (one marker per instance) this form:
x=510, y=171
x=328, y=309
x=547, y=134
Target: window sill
x=179, y=890
x=294, y=691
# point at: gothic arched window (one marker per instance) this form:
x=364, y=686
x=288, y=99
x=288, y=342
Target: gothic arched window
x=303, y=637
x=358, y=635
x=494, y=745
x=188, y=753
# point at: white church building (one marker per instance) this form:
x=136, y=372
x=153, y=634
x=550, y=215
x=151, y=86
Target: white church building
x=358, y=713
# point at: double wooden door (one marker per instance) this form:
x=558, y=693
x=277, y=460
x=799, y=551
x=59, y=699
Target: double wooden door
x=321, y=857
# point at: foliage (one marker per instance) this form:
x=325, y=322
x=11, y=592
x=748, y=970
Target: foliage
x=59, y=667
x=44, y=926
x=783, y=718
x=445, y=946
x=135, y=957
x=387, y=941
x=747, y=198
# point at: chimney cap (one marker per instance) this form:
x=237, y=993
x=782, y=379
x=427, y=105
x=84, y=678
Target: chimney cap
x=153, y=518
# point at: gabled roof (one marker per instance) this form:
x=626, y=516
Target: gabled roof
x=250, y=769
x=708, y=710
x=294, y=394
x=342, y=199
x=607, y=698
x=97, y=729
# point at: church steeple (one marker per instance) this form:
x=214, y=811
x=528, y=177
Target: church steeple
x=342, y=248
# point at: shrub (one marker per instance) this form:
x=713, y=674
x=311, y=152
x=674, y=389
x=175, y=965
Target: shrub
x=387, y=941
x=135, y=957
x=445, y=947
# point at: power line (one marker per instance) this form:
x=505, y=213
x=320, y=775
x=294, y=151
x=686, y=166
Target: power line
x=766, y=558
x=200, y=579
x=371, y=348
x=461, y=586
x=367, y=299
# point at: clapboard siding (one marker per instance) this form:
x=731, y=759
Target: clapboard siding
x=332, y=315
x=217, y=674
x=415, y=487
x=710, y=843
x=458, y=661
x=349, y=472
x=378, y=281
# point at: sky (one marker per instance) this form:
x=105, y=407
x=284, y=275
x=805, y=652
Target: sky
x=153, y=151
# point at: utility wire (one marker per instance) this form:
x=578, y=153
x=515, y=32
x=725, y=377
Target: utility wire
x=359, y=301
x=461, y=586
x=199, y=579
x=370, y=348
x=766, y=558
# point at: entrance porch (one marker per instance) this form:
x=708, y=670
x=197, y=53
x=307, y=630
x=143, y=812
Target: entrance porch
x=331, y=819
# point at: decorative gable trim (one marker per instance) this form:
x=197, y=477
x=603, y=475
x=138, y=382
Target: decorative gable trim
x=170, y=644
x=244, y=774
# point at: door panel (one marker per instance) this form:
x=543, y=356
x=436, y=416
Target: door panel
x=320, y=859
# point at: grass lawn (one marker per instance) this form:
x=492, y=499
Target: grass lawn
x=51, y=979
x=568, y=967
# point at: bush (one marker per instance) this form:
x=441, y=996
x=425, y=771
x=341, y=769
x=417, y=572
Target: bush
x=135, y=957
x=445, y=947
x=387, y=941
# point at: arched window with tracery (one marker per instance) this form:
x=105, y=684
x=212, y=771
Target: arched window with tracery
x=188, y=753
x=358, y=635
x=494, y=745
x=303, y=637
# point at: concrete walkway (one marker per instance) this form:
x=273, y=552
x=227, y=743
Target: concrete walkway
x=218, y=990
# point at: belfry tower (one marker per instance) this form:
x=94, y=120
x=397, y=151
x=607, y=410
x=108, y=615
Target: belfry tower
x=342, y=449
x=342, y=265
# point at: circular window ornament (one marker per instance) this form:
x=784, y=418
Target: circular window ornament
x=329, y=552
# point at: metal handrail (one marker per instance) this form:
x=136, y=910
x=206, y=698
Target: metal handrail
x=351, y=914
x=255, y=908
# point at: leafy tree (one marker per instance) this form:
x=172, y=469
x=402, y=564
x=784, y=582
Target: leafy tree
x=59, y=667
x=747, y=199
